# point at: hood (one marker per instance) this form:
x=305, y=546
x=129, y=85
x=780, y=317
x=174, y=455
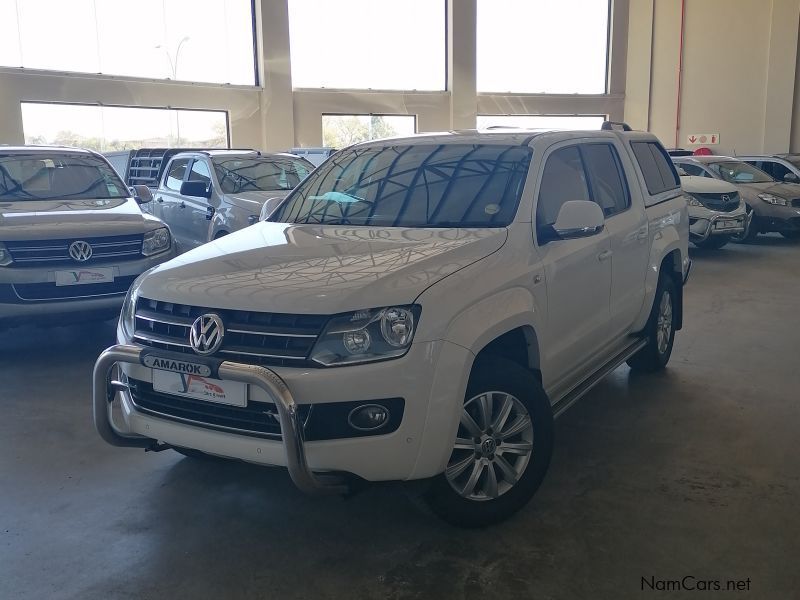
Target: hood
x=255, y=200
x=57, y=219
x=784, y=190
x=706, y=185
x=316, y=269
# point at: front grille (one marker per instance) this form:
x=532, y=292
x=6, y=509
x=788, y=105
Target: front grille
x=250, y=337
x=54, y=252
x=796, y=203
x=42, y=292
x=257, y=418
x=715, y=201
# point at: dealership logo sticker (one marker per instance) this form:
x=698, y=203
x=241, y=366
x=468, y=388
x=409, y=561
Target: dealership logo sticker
x=80, y=251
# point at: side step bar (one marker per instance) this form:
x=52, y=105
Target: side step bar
x=582, y=388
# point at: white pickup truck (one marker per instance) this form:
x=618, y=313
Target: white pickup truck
x=417, y=308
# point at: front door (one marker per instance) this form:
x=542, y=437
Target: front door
x=168, y=203
x=198, y=208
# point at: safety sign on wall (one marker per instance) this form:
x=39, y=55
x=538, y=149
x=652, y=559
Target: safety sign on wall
x=707, y=139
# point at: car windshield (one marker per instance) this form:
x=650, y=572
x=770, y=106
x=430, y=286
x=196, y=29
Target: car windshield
x=237, y=175
x=737, y=171
x=422, y=185
x=50, y=176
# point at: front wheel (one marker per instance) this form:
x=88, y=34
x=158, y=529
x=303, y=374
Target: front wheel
x=502, y=448
x=714, y=242
x=660, y=329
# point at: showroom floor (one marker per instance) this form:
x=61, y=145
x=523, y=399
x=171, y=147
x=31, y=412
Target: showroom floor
x=695, y=471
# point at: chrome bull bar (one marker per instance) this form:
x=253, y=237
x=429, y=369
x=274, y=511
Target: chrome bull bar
x=104, y=392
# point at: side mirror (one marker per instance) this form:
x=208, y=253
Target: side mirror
x=791, y=178
x=142, y=194
x=198, y=189
x=576, y=219
x=269, y=207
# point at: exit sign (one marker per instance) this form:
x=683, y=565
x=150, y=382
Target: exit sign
x=703, y=139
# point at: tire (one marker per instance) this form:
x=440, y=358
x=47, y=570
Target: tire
x=526, y=436
x=791, y=235
x=714, y=242
x=660, y=329
x=750, y=232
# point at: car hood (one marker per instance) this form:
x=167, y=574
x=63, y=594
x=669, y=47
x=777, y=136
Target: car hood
x=784, y=190
x=706, y=185
x=58, y=219
x=316, y=269
x=255, y=200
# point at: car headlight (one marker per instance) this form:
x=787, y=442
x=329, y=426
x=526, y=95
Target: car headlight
x=776, y=200
x=366, y=336
x=5, y=256
x=692, y=201
x=156, y=241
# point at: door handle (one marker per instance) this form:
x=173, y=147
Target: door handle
x=604, y=255
x=642, y=233
x=160, y=200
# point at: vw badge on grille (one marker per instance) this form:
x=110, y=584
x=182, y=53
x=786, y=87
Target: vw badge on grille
x=80, y=251
x=205, y=336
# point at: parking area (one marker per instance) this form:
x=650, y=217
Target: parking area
x=693, y=471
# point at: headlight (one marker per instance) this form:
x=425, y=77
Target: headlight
x=366, y=336
x=156, y=241
x=776, y=200
x=692, y=201
x=5, y=256
x=127, y=318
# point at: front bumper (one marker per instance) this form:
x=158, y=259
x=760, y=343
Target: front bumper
x=432, y=380
x=768, y=217
x=703, y=223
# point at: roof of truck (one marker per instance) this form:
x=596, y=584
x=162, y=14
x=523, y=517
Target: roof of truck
x=54, y=149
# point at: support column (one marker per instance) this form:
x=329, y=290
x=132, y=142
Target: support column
x=781, y=67
x=461, y=62
x=639, y=64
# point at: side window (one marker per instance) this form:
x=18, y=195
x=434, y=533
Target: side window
x=563, y=179
x=694, y=170
x=659, y=173
x=776, y=170
x=200, y=172
x=606, y=178
x=301, y=168
x=174, y=178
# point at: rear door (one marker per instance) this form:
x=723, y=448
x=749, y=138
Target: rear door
x=198, y=212
x=168, y=203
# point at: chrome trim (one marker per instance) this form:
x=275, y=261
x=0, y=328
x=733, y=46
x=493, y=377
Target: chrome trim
x=187, y=324
x=294, y=335
x=697, y=237
x=160, y=339
x=281, y=356
x=288, y=413
x=67, y=298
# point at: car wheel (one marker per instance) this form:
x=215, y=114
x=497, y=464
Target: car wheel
x=713, y=242
x=791, y=235
x=502, y=448
x=750, y=231
x=660, y=329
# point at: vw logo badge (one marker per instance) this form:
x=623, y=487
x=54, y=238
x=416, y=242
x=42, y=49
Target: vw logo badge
x=205, y=336
x=80, y=251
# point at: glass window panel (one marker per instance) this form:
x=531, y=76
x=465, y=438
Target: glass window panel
x=563, y=180
x=108, y=128
x=542, y=46
x=191, y=40
x=609, y=188
x=570, y=122
x=362, y=44
x=339, y=131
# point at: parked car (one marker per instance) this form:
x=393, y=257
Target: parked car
x=72, y=237
x=204, y=195
x=418, y=308
x=716, y=211
x=781, y=167
x=770, y=205
x=315, y=156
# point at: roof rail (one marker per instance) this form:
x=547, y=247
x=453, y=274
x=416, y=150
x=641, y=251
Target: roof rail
x=611, y=125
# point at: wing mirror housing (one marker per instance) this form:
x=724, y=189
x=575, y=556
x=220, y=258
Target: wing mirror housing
x=198, y=189
x=142, y=194
x=269, y=207
x=576, y=219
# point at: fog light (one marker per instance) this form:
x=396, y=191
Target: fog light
x=368, y=417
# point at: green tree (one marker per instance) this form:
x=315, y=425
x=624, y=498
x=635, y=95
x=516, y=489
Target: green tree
x=339, y=131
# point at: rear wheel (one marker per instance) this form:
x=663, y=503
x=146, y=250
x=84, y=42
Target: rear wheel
x=660, y=329
x=714, y=242
x=502, y=448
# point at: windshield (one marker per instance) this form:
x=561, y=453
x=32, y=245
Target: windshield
x=737, y=171
x=49, y=176
x=237, y=175
x=426, y=185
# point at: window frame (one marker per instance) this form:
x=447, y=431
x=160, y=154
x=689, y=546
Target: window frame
x=620, y=171
x=538, y=189
x=168, y=170
x=650, y=143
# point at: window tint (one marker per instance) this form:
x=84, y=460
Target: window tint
x=200, y=172
x=694, y=170
x=176, y=172
x=776, y=169
x=659, y=173
x=606, y=178
x=563, y=179
x=422, y=185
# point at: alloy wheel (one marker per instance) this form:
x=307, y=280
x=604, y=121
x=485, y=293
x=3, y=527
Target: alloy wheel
x=664, y=323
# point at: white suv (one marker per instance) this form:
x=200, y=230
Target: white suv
x=417, y=308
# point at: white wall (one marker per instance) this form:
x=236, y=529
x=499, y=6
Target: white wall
x=275, y=116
